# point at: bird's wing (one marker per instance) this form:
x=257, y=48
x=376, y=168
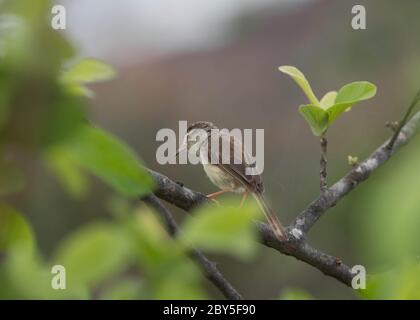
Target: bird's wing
x=238, y=158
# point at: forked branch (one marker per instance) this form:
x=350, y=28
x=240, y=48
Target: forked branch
x=296, y=245
x=209, y=268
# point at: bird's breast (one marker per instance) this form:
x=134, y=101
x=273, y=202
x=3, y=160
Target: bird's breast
x=222, y=179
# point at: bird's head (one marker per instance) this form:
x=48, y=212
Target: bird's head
x=197, y=134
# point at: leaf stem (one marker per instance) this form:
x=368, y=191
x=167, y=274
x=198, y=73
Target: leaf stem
x=323, y=164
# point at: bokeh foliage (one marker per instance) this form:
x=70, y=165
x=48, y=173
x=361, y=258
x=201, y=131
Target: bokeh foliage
x=44, y=99
x=44, y=112
x=387, y=217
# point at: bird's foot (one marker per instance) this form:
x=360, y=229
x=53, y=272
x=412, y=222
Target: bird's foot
x=215, y=194
x=217, y=202
x=245, y=195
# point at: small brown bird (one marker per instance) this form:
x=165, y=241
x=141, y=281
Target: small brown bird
x=231, y=175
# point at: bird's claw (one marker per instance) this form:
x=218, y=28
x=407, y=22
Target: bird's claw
x=213, y=200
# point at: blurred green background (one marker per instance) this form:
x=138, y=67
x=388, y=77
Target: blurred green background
x=216, y=62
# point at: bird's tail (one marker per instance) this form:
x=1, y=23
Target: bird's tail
x=271, y=217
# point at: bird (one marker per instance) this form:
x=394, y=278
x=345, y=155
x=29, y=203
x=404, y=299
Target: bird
x=231, y=175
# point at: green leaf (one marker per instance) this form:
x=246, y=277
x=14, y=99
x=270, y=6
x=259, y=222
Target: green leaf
x=111, y=160
x=88, y=71
x=227, y=229
x=316, y=117
x=61, y=119
x=67, y=172
x=80, y=90
x=336, y=110
x=355, y=92
x=93, y=253
x=85, y=72
x=328, y=100
x=349, y=95
x=300, y=79
x=24, y=276
x=321, y=114
x=154, y=248
x=15, y=233
x=22, y=273
x=352, y=161
x=163, y=261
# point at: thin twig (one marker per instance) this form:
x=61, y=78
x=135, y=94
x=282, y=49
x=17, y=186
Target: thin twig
x=187, y=199
x=323, y=164
x=307, y=218
x=209, y=268
x=403, y=121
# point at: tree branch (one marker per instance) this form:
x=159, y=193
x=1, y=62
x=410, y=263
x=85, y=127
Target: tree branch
x=295, y=245
x=187, y=199
x=307, y=218
x=328, y=265
x=403, y=121
x=209, y=268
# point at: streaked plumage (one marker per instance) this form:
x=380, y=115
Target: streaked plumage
x=230, y=176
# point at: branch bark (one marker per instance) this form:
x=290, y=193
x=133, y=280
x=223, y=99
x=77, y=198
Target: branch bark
x=209, y=268
x=301, y=250
x=296, y=245
x=307, y=218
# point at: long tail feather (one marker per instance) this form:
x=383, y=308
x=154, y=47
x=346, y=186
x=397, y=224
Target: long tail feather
x=271, y=217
